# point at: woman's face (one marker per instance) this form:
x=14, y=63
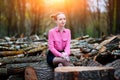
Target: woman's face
x=61, y=20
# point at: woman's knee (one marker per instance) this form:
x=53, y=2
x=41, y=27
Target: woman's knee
x=59, y=60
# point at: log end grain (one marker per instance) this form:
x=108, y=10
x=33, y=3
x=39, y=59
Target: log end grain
x=84, y=73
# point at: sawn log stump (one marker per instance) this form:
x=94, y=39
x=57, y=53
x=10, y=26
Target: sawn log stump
x=30, y=73
x=84, y=73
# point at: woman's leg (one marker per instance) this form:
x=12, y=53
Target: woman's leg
x=58, y=60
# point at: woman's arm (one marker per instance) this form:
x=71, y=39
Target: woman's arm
x=51, y=44
x=67, y=48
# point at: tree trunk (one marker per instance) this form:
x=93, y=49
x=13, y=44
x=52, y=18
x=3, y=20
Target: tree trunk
x=105, y=42
x=110, y=16
x=44, y=72
x=84, y=73
x=116, y=65
x=37, y=49
x=118, y=17
x=10, y=53
x=10, y=60
x=18, y=68
x=114, y=16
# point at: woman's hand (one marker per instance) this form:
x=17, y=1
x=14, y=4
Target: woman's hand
x=65, y=56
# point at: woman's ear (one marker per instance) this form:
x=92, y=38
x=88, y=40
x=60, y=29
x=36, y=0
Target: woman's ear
x=55, y=21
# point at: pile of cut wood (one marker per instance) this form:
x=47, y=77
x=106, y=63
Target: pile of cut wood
x=103, y=51
x=16, y=54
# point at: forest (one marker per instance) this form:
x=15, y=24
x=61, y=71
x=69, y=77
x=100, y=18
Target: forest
x=84, y=17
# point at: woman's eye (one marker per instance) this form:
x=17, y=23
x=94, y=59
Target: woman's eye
x=64, y=19
x=60, y=19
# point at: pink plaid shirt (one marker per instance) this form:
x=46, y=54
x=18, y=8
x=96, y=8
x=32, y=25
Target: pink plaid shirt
x=58, y=41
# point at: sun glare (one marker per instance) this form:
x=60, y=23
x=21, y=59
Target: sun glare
x=54, y=2
x=68, y=6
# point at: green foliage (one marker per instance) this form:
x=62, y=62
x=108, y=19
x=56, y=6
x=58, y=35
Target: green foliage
x=90, y=30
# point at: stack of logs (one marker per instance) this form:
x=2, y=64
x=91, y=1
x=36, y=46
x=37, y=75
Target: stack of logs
x=20, y=54
x=104, y=52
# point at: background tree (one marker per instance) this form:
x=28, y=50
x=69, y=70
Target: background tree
x=114, y=16
x=28, y=17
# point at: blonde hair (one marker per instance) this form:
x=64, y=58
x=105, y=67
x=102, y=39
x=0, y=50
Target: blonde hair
x=54, y=16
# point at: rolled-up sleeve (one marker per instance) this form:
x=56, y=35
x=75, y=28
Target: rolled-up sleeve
x=51, y=44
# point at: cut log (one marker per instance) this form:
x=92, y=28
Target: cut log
x=18, y=68
x=4, y=48
x=28, y=48
x=16, y=77
x=93, y=52
x=3, y=71
x=117, y=74
x=10, y=53
x=37, y=49
x=102, y=49
x=30, y=73
x=44, y=72
x=105, y=42
x=94, y=63
x=85, y=50
x=105, y=58
x=116, y=65
x=84, y=73
x=29, y=59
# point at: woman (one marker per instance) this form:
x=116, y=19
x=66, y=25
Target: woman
x=59, y=42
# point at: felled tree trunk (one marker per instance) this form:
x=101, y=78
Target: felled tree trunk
x=37, y=49
x=44, y=72
x=14, y=71
x=18, y=68
x=4, y=48
x=16, y=77
x=105, y=42
x=21, y=60
x=116, y=65
x=28, y=50
x=84, y=73
x=3, y=71
x=10, y=53
x=106, y=58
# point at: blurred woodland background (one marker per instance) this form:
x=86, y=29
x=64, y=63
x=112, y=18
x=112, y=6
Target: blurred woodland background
x=84, y=17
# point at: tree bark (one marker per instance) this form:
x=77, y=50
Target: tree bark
x=30, y=73
x=3, y=71
x=84, y=73
x=18, y=68
x=37, y=49
x=10, y=53
x=105, y=42
x=8, y=60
